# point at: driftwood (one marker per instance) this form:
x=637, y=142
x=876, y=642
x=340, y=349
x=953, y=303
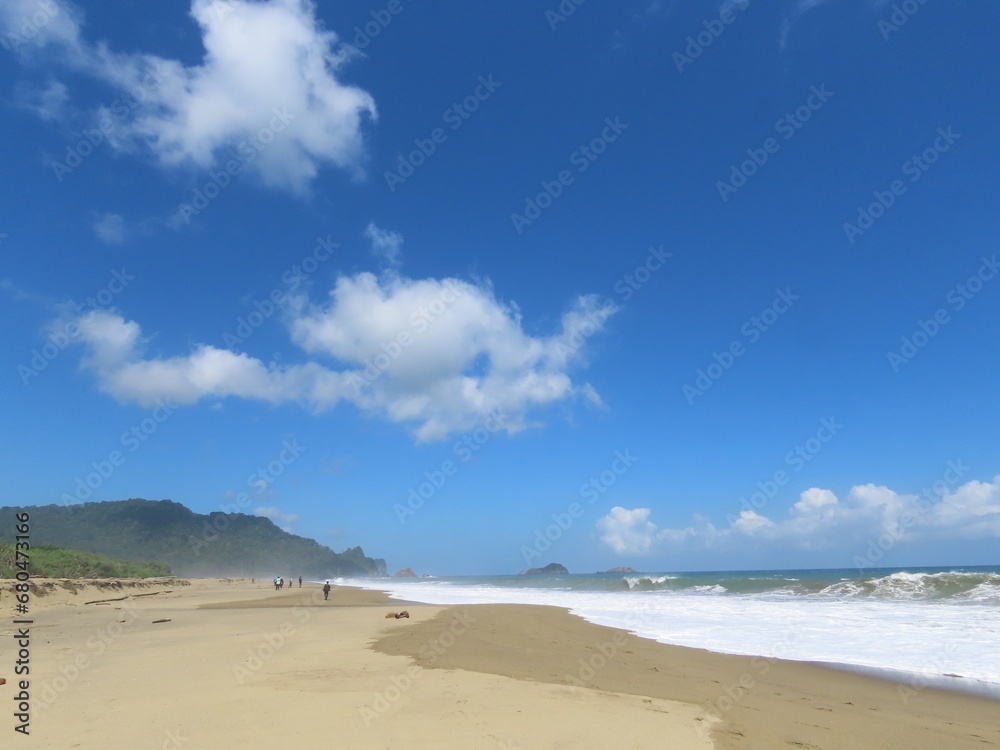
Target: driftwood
x=105, y=601
x=156, y=621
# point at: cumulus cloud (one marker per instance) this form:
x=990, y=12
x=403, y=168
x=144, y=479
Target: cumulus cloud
x=267, y=91
x=440, y=355
x=820, y=520
x=628, y=532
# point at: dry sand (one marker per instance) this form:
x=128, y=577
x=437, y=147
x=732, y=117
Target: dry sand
x=240, y=665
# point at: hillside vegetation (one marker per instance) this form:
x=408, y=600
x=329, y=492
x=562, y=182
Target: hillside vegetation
x=56, y=562
x=192, y=544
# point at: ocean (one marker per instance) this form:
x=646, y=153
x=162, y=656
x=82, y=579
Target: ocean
x=920, y=626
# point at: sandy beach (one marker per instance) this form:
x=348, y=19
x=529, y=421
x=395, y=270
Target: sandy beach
x=237, y=664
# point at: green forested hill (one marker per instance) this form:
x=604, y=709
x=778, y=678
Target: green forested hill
x=56, y=562
x=218, y=544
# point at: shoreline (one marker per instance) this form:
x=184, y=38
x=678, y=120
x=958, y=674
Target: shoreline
x=230, y=663
x=756, y=701
x=929, y=653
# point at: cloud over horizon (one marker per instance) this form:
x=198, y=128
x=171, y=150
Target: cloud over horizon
x=869, y=514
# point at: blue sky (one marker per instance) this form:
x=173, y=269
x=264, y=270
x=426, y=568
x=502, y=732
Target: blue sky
x=675, y=285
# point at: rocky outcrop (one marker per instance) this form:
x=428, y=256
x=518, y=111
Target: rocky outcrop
x=552, y=569
x=404, y=573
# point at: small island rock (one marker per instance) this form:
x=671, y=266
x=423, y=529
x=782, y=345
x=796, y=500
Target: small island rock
x=552, y=569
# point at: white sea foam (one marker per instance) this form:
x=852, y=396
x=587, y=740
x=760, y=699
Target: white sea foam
x=641, y=581
x=893, y=631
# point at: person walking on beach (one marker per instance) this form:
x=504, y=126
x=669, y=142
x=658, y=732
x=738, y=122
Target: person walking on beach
x=300, y=581
x=326, y=591
x=276, y=583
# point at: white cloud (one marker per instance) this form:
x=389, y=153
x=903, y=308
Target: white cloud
x=750, y=523
x=276, y=515
x=385, y=244
x=110, y=228
x=819, y=520
x=29, y=25
x=49, y=103
x=261, y=58
x=439, y=355
x=813, y=499
x=628, y=532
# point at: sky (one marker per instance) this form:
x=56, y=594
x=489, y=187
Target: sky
x=480, y=287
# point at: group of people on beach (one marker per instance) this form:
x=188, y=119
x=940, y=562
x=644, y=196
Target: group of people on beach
x=279, y=583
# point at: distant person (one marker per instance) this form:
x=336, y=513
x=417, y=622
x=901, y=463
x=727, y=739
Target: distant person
x=276, y=583
x=300, y=581
x=326, y=591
